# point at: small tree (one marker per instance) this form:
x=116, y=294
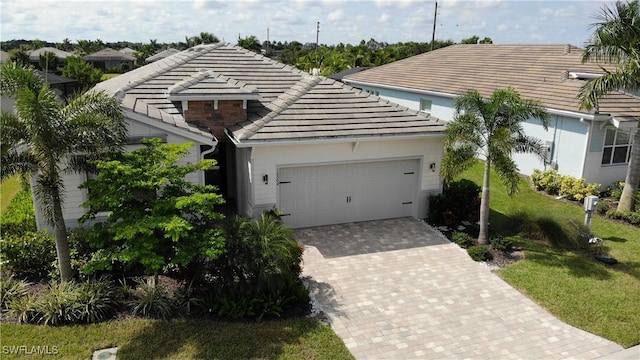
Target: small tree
x=79, y=69
x=491, y=127
x=157, y=218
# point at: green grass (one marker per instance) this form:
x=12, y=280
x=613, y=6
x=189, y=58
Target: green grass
x=8, y=190
x=183, y=339
x=108, y=76
x=559, y=272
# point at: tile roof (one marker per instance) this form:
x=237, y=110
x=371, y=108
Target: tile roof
x=161, y=55
x=292, y=104
x=34, y=55
x=109, y=54
x=536, y=71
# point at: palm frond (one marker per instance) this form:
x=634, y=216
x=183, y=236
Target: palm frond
x=48, y=191
x=507, y=170
x=14, y=77
x=456, y=160
x=14, y=162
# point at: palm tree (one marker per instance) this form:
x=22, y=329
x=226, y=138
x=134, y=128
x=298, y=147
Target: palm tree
x=491, y=127
x=46, y=139
x=616, y=40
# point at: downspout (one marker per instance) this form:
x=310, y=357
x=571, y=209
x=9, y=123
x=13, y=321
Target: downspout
x=553, y=144
x=202, y=155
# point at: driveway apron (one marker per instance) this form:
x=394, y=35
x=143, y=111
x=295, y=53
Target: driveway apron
x=397, y=289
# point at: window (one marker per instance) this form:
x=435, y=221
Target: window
x=425, y=105
x=617, y=147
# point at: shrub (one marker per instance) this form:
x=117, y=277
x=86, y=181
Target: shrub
x=632, y=218
x=459, y=201
x=59, y=305
x=32, y=254
x=23, y=309
x=258, y=273
x=463, y=240
x=576, y=189
x=603, y=206
x=546, y=180
x=149, y=299
x=615, y=190
x=10, y=290
x=500, y=243
x=480, y=253
x=97, y=300
x=19, y=217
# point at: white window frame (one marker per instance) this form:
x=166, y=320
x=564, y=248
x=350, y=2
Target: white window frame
x=425, y=105
x=608, y=150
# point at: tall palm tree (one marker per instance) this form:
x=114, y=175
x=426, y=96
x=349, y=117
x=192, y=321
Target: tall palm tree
x=46, y=139
x=616, y=40
x=491, y=127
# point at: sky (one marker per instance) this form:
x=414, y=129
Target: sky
x=341, y=21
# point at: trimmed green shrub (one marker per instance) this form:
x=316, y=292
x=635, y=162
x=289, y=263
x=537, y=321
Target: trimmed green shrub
x=480, y=253
x=58, y=305
x=577, y=189
x=546, y=180
x=19, y=217
x=500, y=243
x=632, y=218
x=603, y=206
x=463, y=239
x=32, y=254
x=459, y=201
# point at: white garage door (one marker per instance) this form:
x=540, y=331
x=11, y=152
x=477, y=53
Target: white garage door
x=334, y=194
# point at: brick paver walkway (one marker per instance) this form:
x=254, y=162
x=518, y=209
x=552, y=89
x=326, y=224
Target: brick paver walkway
x=402, y=291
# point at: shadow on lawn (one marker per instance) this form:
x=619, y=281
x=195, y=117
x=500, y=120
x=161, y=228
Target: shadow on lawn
x=202, y=339
x=551, y=243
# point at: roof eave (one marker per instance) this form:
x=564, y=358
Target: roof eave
x=305, y=141
x=210, y=97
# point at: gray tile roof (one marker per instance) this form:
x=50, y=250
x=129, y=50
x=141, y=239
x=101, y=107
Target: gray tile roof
x=34, y=55
x=536, y=71
x=161, y=55
x=109, y=54
x=292, y=105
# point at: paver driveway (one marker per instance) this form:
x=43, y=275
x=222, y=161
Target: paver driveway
x=396, y=289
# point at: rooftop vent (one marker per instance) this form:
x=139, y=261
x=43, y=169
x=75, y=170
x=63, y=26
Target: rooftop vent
x=583, y=75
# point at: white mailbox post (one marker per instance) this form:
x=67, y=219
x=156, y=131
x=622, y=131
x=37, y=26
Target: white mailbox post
x=590, y=203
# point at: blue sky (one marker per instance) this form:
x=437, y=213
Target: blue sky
x=505, y=21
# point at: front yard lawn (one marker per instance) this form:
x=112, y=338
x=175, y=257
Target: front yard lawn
x=181, y=339
x=8, y=190
x=560, y=276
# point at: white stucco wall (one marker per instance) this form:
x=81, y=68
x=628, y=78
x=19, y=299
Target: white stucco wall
x=266, y=160
x=74, y=197
x=577, y=146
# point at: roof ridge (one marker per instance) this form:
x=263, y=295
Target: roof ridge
x=166, y=64
x=281, y=103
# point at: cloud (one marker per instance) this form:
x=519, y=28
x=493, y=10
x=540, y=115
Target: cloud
x=336, y=15
x=384, y=18
x=398, y=4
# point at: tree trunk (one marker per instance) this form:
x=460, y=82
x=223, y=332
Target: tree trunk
x=62, y=244
x=633, y=175
x=483, y=236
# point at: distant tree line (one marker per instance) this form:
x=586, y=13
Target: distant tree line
x=327, y=59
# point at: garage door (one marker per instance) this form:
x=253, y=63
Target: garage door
x=334, y=194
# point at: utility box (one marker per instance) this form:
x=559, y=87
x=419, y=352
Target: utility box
x=590, y=203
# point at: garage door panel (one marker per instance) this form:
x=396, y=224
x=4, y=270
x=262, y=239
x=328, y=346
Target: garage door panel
x=331, y=194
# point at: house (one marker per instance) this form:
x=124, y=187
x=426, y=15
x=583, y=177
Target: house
x=34, y=55
x=109, y=58
x=592, y=145
x=320, y=151
x=129, y=51
x=161, y=55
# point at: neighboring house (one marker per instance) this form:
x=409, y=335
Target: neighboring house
x=64, y=87
x=161, y=55
x=318, y=150
x=109, y=58
x=340, y=75
x=34, y=55
x=129, y=51
x=591, y=145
